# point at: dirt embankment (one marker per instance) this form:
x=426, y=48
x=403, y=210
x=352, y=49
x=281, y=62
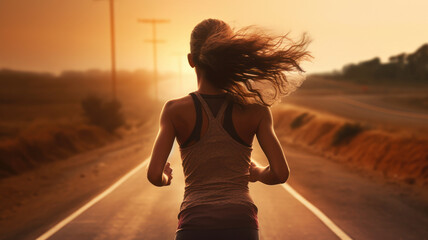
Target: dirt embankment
x=43, y=143
x=398, y=155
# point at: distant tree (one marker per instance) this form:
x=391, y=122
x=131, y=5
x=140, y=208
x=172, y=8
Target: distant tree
x=401, y=67
x=399, y=59
x=417, y=64
x=361, y=70
x=388, y=71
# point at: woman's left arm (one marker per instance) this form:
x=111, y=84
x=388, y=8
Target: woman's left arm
x=159, y=172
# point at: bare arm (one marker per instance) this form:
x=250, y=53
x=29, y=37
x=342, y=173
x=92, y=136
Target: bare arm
x=159, y=173
x=277, y=171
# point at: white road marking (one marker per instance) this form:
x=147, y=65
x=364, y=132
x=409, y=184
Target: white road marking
x=89, y=204
x=327, y=221
x=320, y=215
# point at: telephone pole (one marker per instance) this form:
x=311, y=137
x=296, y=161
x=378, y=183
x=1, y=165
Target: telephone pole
x=155, y=41
x=112, y=50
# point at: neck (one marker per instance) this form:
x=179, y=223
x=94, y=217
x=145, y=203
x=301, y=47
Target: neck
x=205, y=87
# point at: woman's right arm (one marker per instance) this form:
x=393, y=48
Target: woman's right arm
x=277, y=171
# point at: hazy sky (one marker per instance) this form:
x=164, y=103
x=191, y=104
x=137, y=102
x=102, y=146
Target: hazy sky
x=53, y=35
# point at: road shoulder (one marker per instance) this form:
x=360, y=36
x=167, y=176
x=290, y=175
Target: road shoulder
x=35, y=200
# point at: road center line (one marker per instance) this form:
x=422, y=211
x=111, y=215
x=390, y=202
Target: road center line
x=89, y=204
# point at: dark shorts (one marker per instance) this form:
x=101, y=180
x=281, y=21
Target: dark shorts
x=216, y=234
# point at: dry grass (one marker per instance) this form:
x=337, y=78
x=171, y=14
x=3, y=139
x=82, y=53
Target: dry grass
x=398, y=155
x=48, y=143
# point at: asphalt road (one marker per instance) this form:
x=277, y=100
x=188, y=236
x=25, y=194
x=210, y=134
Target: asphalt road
x=368, y=109
x=355, y=205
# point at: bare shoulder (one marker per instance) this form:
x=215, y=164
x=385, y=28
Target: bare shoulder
x=256, y=110
x=255, y=113
x=177, y=105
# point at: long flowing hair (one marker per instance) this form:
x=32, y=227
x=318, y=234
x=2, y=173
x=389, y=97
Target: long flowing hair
x=248, y=63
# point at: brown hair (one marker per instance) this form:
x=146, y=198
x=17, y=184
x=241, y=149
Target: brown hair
x=248, y=64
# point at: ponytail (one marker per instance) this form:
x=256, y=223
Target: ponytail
x=248, y=64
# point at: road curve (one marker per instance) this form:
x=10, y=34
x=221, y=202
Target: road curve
x=365, y=110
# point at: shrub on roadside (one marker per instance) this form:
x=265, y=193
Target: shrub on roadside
x=107, y=115
x=346, y=133
x=300, y=120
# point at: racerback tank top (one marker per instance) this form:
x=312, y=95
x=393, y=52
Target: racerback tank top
x=216, y=170
x=214, y=103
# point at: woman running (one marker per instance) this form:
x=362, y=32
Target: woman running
x=240, y=75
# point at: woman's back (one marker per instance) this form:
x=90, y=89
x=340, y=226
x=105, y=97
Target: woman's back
x=216, y=169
